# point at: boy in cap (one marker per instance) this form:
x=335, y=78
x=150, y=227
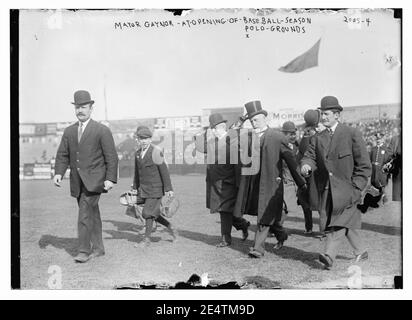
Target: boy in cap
x=152, y=180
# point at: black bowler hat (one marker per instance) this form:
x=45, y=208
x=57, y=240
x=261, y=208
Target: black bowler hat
x=143, y=132
x=330, y=103
x=215, y=119
x=253, y=108
x=311, y=117
x=289, y=126
x=82, y=97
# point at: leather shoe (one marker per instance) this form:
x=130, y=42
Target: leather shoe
x=326, y=261
x=256, y=254
x=96, y=254
x=361, y=257
x=174, y=233
x=223, y=244
x=245, y=231
x=143, y=244
x=82, y=257
x=278, y=245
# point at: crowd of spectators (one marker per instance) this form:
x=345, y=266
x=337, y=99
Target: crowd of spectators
x=387, y=127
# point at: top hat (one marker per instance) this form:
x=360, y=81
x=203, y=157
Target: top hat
x=82, y=97
x=330, y=103
x=289, y=126
x=143, y=132
x=215, y=119
x=253, y=108
x=311, y=117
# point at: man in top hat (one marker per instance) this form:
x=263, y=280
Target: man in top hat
x=339, y=158
x=261, y=194
x=87, y=147
x=222, y=175
x=152, y=180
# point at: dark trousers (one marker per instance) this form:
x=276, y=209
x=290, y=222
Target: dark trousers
x=308, y=218
x=149, y=225
x=89, y=225
x=262, y=233
x=227, y=221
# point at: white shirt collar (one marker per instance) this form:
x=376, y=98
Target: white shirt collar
x=333, y=128
x=84, y=124
x=144, y=151
x=261, y=131
x=224, y=135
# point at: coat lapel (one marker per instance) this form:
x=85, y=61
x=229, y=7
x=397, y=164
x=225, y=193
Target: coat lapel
x=147, y=156
x=335, y=138
x=86, y=132
x=324, y=140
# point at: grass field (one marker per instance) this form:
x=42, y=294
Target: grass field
x=49, y=238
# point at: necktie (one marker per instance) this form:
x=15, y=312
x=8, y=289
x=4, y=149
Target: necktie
x=330, y=132
x=79, y=135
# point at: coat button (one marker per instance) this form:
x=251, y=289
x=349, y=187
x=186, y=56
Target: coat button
x=78, y=168
x=331, y=174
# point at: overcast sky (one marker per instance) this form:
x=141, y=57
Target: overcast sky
x=176, y=71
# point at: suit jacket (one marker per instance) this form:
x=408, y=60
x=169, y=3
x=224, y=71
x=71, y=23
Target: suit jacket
x=151, y=175
x=221, y=174
x=92, y=160
x=262, y=194
x=340, y=164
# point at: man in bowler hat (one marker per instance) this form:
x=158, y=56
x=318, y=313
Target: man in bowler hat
x=339, y=157
x=87, y=147
x=289, y=130
x=222, y=176
x=261, y=194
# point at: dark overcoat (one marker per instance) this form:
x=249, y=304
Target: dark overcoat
x=311, y=196
x=379, y=155
x=221, y=174
x=261, y=194
x=92, y=160
x=342, y=166
x=395, y=151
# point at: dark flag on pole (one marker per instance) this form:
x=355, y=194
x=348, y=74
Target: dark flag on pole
x=307, y=60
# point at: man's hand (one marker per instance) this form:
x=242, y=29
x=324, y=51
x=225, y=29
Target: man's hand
x=169, y=193
x=306, y=170
x=108, y=185
x=387, y=167
x=57, y=179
